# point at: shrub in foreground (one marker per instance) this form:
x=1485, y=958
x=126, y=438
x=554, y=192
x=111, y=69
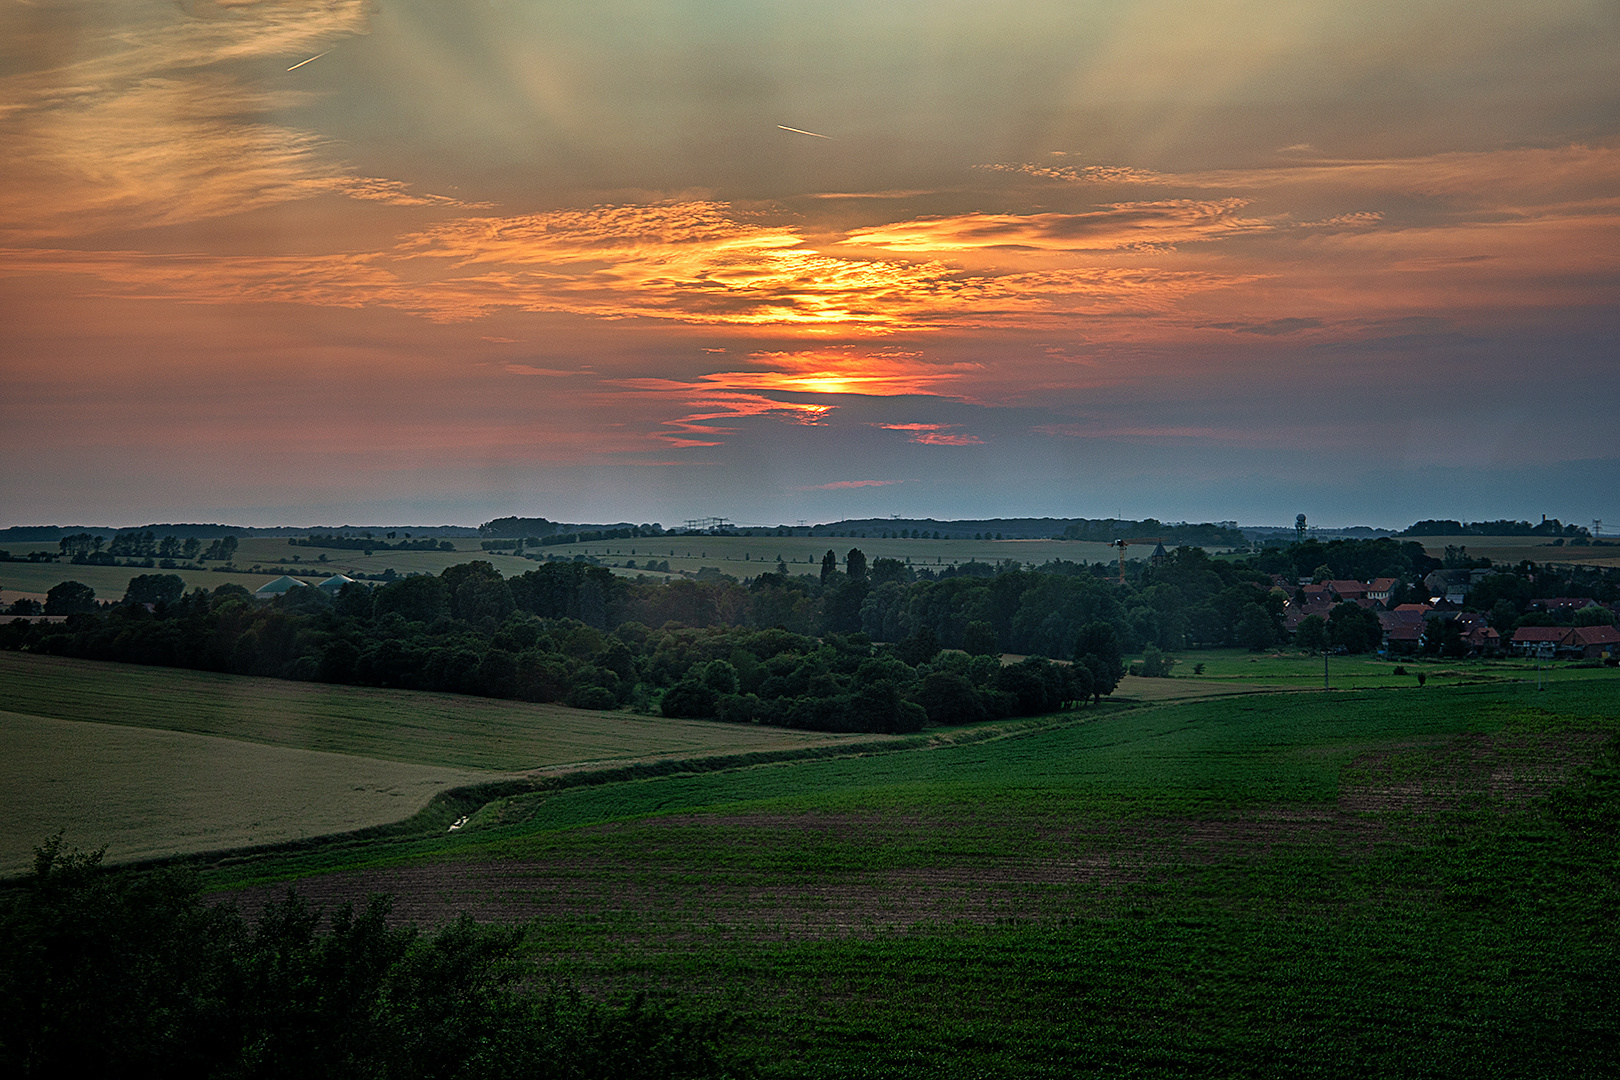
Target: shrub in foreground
x=130, y=974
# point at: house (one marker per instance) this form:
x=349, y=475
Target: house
x=279, y=587
x=1379, y=589
x=1531, y=640
x=1591, y=642
x=1403, y=639
x=1348, y=590
x=1449, y=585
x=1482, y=641
x=1562, y=604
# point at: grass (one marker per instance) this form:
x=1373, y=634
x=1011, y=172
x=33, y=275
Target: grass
x=1237, y=668
x=746, y=556
x=34, y=580
x=145, y=793
x=1511, y=550
x=392, y=725
x=1184, y=889
x=739, y=556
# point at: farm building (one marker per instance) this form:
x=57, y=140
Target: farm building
x=1576, y=642
x=1532, y=639
x=279, y=587
x=334, y=584
x=1591, y=642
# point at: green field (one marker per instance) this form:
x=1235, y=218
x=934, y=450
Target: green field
x=34, y=580
x=1286, y=884
x=1239, y=669
x=739, y=556
x=1510, y=550
x=746, y=556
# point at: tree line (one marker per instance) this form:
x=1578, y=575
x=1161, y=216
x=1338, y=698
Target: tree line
x=860, y=646
x=576, y=634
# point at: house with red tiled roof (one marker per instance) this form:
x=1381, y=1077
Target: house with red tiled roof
x=1403, y=638
x=1379, y=589
x=1296, y=613
x=1591, y=642
x=1482, y=641
x=1532, y=639
x=1347, y=590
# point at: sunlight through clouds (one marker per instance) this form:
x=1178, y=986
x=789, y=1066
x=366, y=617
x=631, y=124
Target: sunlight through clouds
x=524, y=235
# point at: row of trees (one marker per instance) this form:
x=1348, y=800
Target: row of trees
x=367, y=543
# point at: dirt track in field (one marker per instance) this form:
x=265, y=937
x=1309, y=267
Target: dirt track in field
x=1504, y=770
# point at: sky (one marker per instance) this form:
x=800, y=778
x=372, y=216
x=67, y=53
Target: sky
x=438, y=261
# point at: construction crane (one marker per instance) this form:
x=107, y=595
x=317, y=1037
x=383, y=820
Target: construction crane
x=1123, y=544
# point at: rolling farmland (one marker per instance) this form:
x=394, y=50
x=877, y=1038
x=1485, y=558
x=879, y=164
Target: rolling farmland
x=1276, y=884
x=738, y=556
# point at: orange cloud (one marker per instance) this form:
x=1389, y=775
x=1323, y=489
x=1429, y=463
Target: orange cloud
x=841, y=485
x=715, y=398
x=686, y=262
x=934, y=434
x=706, y=423
x=885, y=373
x=1116, y=227
x=1310, y=244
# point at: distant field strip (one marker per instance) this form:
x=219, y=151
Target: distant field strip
x=448, y=730
x=144, y=793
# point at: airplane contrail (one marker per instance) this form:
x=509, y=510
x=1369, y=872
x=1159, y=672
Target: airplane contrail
x=784, y=127
x=301, y=63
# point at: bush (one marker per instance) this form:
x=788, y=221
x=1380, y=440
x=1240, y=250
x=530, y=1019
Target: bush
x=125, y=974
x=689, y=699
x=594, y=697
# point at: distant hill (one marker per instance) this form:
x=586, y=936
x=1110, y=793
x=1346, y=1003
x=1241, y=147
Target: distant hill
x=1098, y=530
x=1503, y=527
x=21, y=534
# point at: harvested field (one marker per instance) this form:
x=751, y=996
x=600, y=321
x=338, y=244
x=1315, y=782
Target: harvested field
x=398, y=725
x=145, y=793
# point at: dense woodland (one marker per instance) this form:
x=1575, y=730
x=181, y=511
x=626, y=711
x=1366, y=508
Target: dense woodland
x=879, y=647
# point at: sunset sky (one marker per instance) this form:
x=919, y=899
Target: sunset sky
x=1205, y=260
